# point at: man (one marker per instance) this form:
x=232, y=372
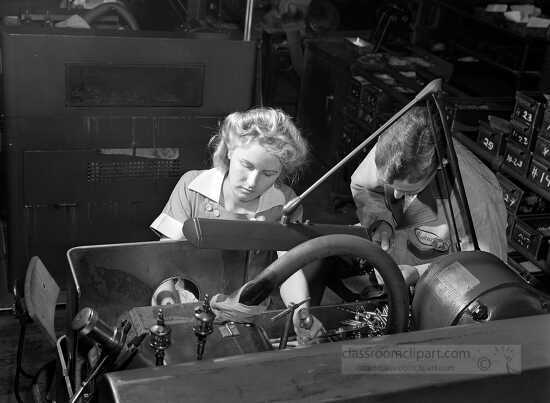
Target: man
x=402, y=201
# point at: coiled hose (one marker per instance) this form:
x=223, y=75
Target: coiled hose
x=276, y=273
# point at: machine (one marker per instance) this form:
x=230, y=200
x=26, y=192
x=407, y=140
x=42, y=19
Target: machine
x=210, y=356
x=229, y=347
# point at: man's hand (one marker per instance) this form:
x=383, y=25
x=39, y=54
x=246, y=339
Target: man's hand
x=382, y=235
x=307, y=327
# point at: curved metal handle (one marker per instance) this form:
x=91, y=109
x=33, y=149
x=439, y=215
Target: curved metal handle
x=105, y=8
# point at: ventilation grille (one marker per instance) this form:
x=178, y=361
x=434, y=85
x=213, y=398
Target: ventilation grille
x=108, y=172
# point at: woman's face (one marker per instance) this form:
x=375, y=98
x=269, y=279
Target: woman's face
x=252, y=170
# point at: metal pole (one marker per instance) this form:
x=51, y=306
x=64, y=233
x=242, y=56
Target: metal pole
x=248, y=20
x=453, y=163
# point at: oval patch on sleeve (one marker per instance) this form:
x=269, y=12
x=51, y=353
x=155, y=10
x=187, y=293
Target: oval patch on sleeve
x=430, y=239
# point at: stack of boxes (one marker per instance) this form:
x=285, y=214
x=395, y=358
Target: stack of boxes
x=376, y=91
x=363, y=104
x=368, y=103
x=525, y=122
x=522, y=152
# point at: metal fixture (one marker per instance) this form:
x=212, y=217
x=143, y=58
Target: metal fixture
x=204, y=318
x=160, y=338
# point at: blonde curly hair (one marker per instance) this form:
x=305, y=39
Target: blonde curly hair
x=271, y=128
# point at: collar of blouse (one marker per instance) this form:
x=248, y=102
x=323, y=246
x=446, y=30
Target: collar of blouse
x=209, y=184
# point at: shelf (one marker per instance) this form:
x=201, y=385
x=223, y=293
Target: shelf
x=541, y=264
x=488, y=23
x=495, y=163
x=526, y=183
x=492, y=160
x=498, y=65
x=522, y=271
x=469, y=31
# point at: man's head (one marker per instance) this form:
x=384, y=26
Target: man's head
x=405, y=153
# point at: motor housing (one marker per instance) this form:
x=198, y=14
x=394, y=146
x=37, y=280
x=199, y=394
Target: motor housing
x=473, y=286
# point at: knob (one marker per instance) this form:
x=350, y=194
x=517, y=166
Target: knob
x=479, y=311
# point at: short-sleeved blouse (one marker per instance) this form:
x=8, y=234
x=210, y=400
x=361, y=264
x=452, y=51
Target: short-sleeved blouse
x=198, y=195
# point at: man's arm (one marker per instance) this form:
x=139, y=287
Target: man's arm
x=368, y=195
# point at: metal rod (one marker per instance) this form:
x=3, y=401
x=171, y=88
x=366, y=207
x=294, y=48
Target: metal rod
x=442, y=167
x=248, y=20
x=453, y=162
x=200, y=347
x=95, y=371
x=63, y=362
x=286, y=331
x=431, y=87
x=288, y=321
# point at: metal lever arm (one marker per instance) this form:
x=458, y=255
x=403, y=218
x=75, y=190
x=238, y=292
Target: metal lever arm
x=288, y=323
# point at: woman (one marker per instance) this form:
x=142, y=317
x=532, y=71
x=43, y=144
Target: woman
x=254, y=152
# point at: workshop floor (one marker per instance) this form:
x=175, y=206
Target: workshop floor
x=36, y=352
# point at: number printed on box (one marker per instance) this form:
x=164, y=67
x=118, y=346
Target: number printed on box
x=515, y=161
x=488, y=144
x=540, y=176
x=520, y=138
x=527, y=116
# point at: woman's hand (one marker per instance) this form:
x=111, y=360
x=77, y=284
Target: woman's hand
x=307, y=327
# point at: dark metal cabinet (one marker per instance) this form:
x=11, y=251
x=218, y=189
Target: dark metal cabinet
x=87, y=117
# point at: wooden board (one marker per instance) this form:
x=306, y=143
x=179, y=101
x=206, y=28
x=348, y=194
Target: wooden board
x=315, y=373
